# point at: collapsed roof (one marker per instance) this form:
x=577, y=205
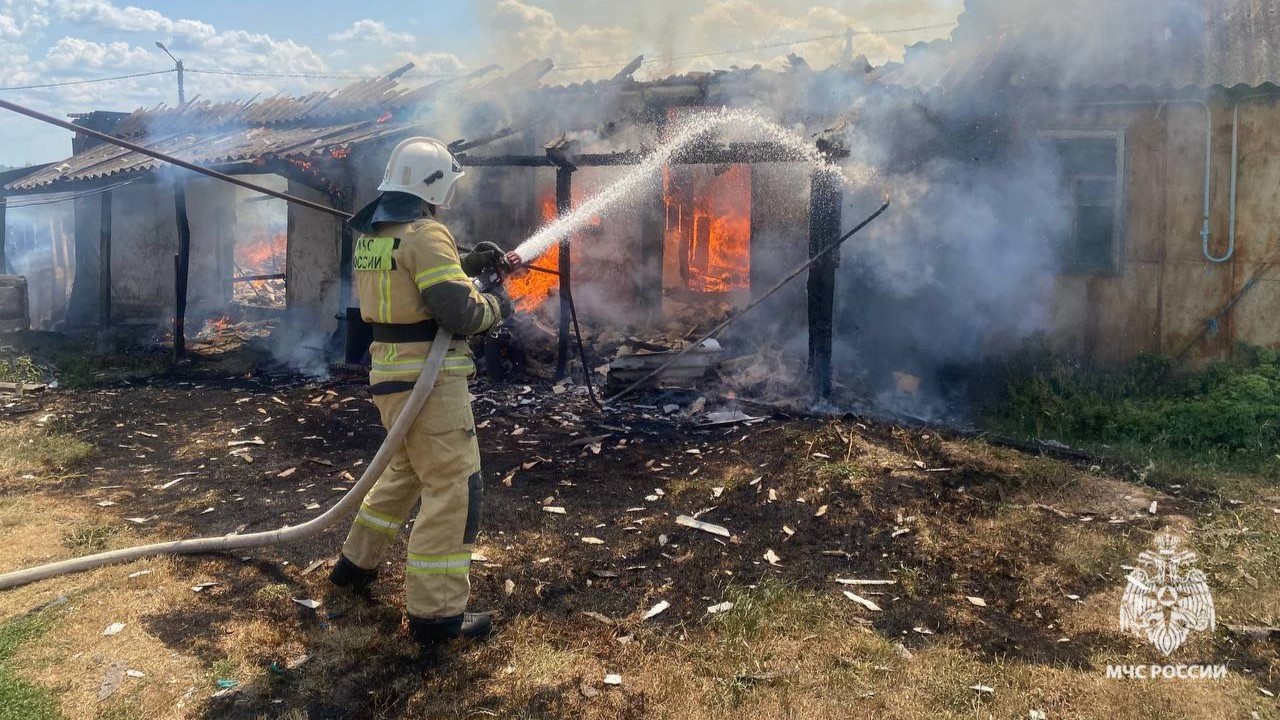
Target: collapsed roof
x=327, y=125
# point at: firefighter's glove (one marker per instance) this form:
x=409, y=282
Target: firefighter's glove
x=484, y=257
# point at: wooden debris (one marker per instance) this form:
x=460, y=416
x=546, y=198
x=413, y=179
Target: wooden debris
x=821, y=511
x=603, y=619
x=721, y=608
x=862, y=601
x=772, y=557
x=843, y=581
x=554, y=510
x=976, y=601
x=592, y=541
x=657, y=610
x=689, y=522
x=613, y=679
x=113, y=629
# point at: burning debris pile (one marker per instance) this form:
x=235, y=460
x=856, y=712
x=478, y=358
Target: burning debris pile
x=260, y=271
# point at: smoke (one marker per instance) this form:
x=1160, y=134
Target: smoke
x=963, y=268
x=959, y=271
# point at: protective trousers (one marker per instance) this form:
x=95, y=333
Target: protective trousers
x=439, y=464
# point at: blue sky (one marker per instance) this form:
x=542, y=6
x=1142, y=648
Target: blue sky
x=47, y=41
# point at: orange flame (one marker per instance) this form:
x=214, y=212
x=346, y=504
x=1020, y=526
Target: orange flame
x=709, y=229
x=530, y=289
x=262, y=255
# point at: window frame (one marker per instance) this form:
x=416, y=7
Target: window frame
x=1119, y=226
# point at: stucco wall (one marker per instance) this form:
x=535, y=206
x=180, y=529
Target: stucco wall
x=1166, y=290
x=312, y=268
x=144, y=239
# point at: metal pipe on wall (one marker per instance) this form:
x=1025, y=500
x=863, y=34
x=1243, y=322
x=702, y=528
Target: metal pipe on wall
x=1206, y=233
x=1235, y=175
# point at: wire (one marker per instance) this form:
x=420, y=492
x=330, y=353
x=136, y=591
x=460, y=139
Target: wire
x=250, y=73
x=751, y=48
x=86, y=82
x=316, y=76
x=65, y=197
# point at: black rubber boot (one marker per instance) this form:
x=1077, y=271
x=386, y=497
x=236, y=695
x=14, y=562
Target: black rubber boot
x=431, y=631
x=347, y=574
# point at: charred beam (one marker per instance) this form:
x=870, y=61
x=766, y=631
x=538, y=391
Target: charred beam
x=4, y=266
x=254, y=278
x=104, y=261
x=463, y=145
x=625, y=73
x=181, y=267
x=762, y=152
x=825, y=201
x=557, y=154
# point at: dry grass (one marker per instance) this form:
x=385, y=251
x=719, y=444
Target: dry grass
x=784, y=650
x=30, y=449
x=786, y=653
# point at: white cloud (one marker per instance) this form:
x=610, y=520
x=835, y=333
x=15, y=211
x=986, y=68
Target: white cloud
x=107, y=15
x=372, y=31
x=431, y=64
x=78, y=54
x=527, y=31
x=676, y=28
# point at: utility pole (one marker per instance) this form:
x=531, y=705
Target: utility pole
x=182, y=94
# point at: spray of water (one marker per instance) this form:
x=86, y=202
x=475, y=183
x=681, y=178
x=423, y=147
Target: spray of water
x=695, y=129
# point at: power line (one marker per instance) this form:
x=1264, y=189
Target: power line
x=317, y=76
x=86, y=82
x=65, y=197
x=250, y=73
x=752, y=48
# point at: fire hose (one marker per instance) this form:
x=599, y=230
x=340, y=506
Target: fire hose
x=395, y=436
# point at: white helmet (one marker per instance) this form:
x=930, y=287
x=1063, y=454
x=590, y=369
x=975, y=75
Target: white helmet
x=423, y=167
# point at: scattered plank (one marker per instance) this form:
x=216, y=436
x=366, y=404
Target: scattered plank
x=657, y=610
x=862, y=601
x=689, y=522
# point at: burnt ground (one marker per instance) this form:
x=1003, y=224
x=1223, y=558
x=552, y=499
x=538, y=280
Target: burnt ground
x=831, y=498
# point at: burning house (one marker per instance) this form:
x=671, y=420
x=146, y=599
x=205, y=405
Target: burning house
x=152, y=242
x=1096, y=174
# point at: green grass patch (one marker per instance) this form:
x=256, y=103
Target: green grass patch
x=16, y=367
x=1227, y=415
x=21, y=700
x=76, y=363
x=29, y=448
x=90, y=539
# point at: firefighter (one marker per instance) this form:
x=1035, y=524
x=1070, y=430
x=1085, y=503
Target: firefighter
x=411, y=281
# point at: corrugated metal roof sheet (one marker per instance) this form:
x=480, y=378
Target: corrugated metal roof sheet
x=1174, y=44
x=208, y=133
x=222, y=133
